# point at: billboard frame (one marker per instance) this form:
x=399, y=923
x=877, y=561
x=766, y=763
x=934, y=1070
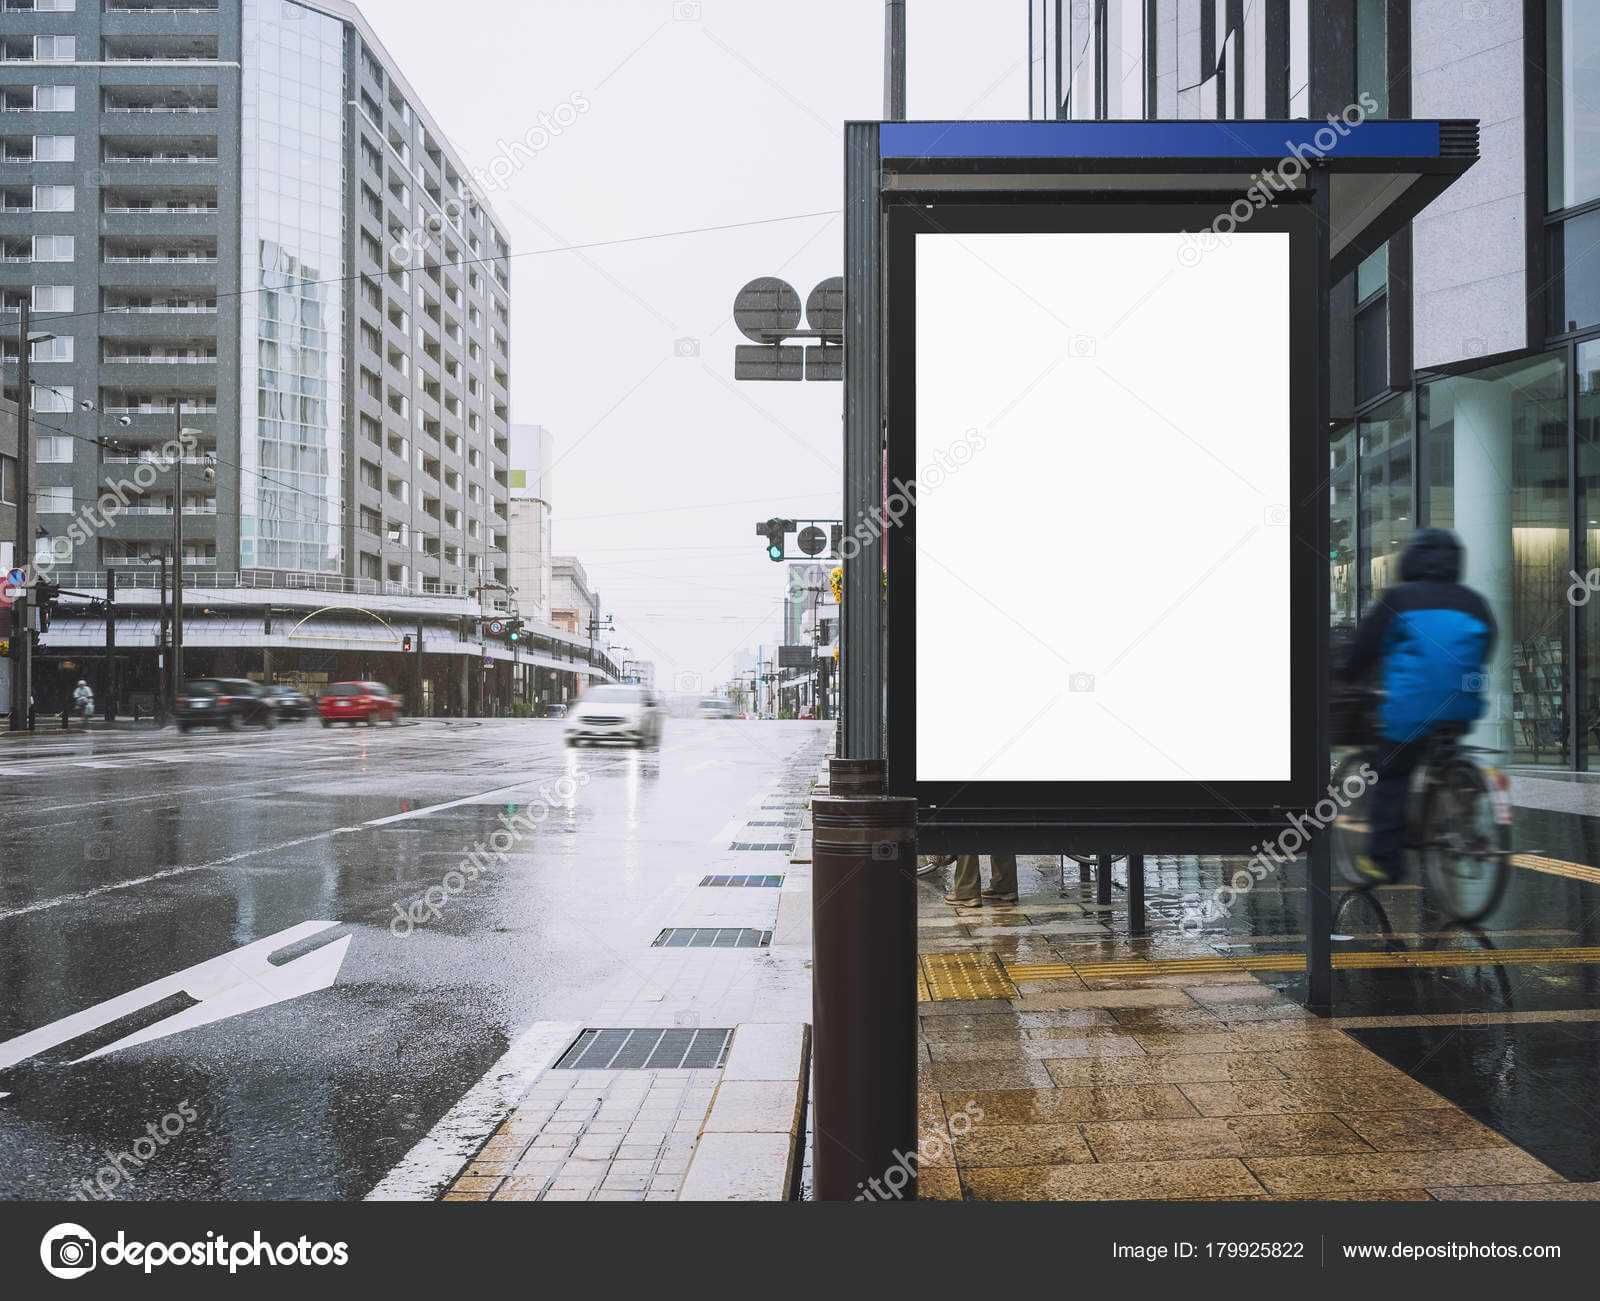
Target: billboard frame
x=1127, y=815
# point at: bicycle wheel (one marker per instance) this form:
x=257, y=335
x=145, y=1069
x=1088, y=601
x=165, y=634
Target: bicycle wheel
x=1352, y=825
x=1465, y=849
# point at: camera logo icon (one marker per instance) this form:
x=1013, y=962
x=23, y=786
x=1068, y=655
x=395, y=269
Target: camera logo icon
x=686, y=347
x=68, y=1251
x=1080, y=682
x=1474, y=681
x=885, y=851
x=1276, y=515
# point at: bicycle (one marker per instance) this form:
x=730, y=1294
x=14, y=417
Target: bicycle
x=1458, y=820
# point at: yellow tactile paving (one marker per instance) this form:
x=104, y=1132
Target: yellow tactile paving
x=1558, y=867
x=965, y=975
x=1297, y=962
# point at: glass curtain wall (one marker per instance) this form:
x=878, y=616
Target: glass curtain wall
x=1572, y=157
x=1587, y=433
x=292, y=329
x=1385, y=519
x=1495, y=447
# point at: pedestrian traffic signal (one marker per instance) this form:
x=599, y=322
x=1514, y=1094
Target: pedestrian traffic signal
x=44, y=596
x=405, y=643
x=775, y=531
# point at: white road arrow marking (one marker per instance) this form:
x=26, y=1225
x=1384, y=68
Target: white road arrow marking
x=229, y=985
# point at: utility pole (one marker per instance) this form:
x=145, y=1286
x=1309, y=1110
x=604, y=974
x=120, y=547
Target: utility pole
x=162, y=662
x=176, y=678
x=110, y=710
x=894, y=60
x=22, y=638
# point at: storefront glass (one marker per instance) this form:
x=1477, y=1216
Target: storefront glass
x=1345, y=605
x=1588, y=492
x=1495, y=452
x=1385, y=504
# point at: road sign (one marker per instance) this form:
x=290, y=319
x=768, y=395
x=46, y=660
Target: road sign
x=795, y=657
x=497, y=627
x=811, y=540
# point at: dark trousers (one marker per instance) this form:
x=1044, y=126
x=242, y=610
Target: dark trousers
x=1396, y=761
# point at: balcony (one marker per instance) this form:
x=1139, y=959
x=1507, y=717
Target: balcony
x=162, y=151
x=162, y=47
x=159, y=99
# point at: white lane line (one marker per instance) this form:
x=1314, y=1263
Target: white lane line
x=56, y=901
x=423, y=1172
x=451, y=804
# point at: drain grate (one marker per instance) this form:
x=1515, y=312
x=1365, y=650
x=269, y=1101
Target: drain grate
x=742, y=880
x=762, y=845
x=646, y=1050
x=775, y=822
x=712, y=937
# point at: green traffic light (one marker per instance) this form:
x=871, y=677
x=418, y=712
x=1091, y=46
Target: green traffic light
x=774, y=551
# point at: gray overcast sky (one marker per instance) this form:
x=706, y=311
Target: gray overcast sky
x=730, y=116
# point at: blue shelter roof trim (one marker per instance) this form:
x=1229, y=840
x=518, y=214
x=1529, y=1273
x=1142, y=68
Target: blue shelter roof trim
x=1373, y=138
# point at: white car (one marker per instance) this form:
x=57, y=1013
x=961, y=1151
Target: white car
x=616, y=713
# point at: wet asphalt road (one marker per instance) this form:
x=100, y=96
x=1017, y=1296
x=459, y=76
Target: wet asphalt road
x=129, y=857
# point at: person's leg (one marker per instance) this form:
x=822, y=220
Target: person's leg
x=966, y=887
x=1002, y=878
x=1386, y=846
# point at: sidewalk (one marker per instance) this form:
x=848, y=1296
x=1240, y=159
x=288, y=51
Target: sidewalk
x=687, y=1078
x=1062, y=1060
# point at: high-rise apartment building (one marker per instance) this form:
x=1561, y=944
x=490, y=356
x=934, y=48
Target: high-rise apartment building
x=1464, y=355
x=237, y=216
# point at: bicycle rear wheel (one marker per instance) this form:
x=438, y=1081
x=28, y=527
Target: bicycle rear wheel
x=1352, y=825
x=1465, y=849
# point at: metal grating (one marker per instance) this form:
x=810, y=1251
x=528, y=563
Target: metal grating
x=762, y=845
x=649, y=1049
x=775, y=822
x=712, y=937
x=768, y=881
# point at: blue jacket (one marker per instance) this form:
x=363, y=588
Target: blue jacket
x=1429, y=637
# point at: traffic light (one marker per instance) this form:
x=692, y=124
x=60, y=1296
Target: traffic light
x=775, y=531
x=45, y=594
x=405, y=643
x=514, y=630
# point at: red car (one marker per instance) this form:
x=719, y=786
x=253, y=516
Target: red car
x=357, y=702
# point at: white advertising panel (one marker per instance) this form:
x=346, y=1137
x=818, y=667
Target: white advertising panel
x=1102, y=534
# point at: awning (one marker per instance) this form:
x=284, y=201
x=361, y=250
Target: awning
x=1383, y=172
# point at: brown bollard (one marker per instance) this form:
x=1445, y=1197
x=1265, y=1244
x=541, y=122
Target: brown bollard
x=864, y=996
x=853, y=778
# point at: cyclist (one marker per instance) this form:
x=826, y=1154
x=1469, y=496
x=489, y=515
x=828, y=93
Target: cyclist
x=1429, y=637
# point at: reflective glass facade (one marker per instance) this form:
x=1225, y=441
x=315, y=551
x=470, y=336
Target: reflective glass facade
x=292, y=311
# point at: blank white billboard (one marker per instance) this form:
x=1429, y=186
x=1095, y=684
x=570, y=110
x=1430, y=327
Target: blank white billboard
x=1102, y=524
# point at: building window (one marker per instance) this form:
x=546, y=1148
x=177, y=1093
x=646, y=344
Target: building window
x=1574, y=273
x=54, y=198
x=55, y=348
x=53, y=449
x=52, y=298
x=55, y=49
x=54, y=248
x=1343, y=588
x=49, y=398
x=8, y=480
x=54, y=501
x=55, y=99
x=55, y=149
x=1572, y=162
x=1495, y=448
x=1384, y=522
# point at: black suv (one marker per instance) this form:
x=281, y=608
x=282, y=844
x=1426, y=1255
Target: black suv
x=224, y=702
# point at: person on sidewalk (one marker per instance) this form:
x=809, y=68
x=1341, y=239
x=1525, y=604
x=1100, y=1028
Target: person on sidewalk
x=965, y=891
x=83, y=700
